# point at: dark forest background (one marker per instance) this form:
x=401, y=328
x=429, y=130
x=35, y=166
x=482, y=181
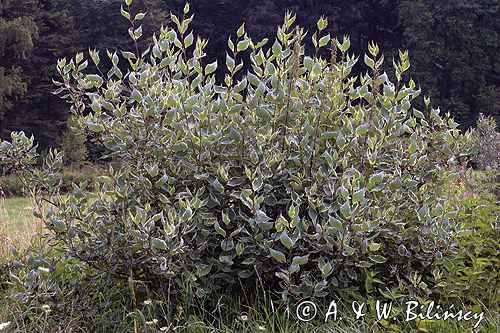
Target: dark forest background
x=454, y=45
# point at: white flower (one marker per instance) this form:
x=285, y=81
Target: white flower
x=4, y=325
x=147, y=302
x=244, y=317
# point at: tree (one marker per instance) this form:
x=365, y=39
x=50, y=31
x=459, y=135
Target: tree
x=17, y=33
x=73, y=145
x=454, y=46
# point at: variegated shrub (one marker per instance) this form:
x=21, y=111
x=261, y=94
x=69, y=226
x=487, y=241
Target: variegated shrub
x=295, y=177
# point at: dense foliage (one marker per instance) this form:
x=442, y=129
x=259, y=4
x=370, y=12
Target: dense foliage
x=453, y=45
x=471, y=273
x=297, y=177
x=485, y=147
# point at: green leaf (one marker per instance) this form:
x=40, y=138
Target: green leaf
x=262, y=113
x=422, y=212
x=136, y=95
x=277, y=255
x=326, y=269
x=358, y=196
x=230, y=64
x=230, y=44
x=182, y=146
x=125, y=13
x=203, y=270
x=241, y=85
x=241, y=30
x=328, y=135
x=188, y=41
x=341, y=141
x=96, y=128
x=377, y=258
x=211, y=68
x=418, y=114
x=395, y=185
x=308, y=63
x=300, y=260
x=345, y=209
x=369, y=61
x=362, y=130
x=322, y=23
x=158, y=244
x=335, y=223
x=374, y=247
x=285, y=240
x=191, y=101
x=262, y=43
x=96, y=79
x=345, y=44
x=324, y=40
x=140, y=16
x=348, y=250
x=219, y=230
x=243, y=45
x=280, y=223
x=375, y=179
x=240, y=248
x=438, y=209
x=257, y=184
x=225, y=218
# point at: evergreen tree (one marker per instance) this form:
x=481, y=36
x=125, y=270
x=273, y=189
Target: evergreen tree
x=17, y=33
x=73, y=144
x=454, y=46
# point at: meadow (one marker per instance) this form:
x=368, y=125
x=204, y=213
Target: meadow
x=18, y=226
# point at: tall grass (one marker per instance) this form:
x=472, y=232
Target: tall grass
x=18, y=226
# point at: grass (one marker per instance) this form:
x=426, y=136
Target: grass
x=18, y=226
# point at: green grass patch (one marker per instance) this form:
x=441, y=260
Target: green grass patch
x=17, y=223
x=17, y=214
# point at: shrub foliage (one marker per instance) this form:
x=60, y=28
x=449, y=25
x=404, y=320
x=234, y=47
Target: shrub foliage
x=484, y=142
x=296, y=177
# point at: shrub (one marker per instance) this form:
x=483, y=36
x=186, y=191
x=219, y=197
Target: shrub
x=484, y=143
x=11, y=186
x=44, y=294
x=73, y=144
x=87, y=174
x=296, y=178
x=469, y=274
